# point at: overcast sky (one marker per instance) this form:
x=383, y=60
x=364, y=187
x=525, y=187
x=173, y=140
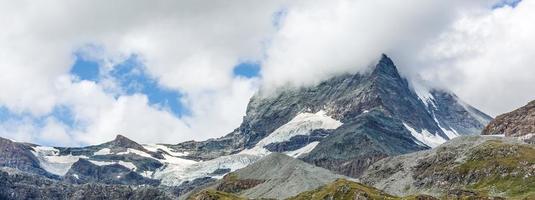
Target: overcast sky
x=80, y=72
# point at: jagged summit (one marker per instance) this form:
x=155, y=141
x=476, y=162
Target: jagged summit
x=380, y=115
x=386, y=66
x=121, y=143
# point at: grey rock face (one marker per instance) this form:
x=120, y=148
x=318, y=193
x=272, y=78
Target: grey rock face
x=19, y=185
x=84, y=171
x=452, y=114
x=458, y=163
x=356, y=145
x=19, y=156
x=278, y=176
x=119, y=144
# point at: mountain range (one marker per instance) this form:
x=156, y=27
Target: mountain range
x=368, y=128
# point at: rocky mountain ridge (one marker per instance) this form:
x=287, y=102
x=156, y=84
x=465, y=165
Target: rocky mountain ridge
x=496, y=166
x=517, y=123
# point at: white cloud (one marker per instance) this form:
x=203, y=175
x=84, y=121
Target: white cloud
x=483, y=55
x=189, y=46
x=486, y=58
x=323, y=38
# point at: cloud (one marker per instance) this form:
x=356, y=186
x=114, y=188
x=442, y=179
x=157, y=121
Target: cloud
x=486, y=58
x=332, y=37
x=480, y=51
x=191, y=47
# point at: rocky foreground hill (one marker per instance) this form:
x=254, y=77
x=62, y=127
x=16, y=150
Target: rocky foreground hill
x=517, y=123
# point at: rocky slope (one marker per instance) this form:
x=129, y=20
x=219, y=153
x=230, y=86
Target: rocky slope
x=343, y=189
x=518, y=123
x=496, y=166
x=348, y=190
x=277, y=176
x=15, y=184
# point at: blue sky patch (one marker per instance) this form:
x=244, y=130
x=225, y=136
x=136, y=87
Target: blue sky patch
x=247, y=69
x=133, y=78
x=85, y=69
x=64, y=115
x=503, y=3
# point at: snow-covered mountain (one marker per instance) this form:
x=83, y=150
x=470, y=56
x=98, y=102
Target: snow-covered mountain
x=359, y=118
x=344, y=124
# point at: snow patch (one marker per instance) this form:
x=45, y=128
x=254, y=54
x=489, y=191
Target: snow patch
x=101, y=163
x=426, y=137
x=302, y=124
x=452, y=133
x=424, y=94
x=156, y=147
x=128, y=165
x=135, y=151
x=103, y=151
x=51, y=161
x=175, y=174
x=303, y=150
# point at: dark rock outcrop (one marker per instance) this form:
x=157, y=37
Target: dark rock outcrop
x=519, y=122
x=84, y=171
x=17, y=185
x=19, y=156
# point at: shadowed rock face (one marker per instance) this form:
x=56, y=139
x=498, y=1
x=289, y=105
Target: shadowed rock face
x=519, y=122
x=84, y=171
x=119, y=144
x=19, y=156
x=20, y=185
x=358, y=144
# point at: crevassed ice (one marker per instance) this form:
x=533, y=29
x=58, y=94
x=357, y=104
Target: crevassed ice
x=175, y=174
x=426, y=137
x=51, y=161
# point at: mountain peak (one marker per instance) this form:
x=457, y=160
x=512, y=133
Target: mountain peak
x=386, y=66
x=122, y=138
x=121, y=141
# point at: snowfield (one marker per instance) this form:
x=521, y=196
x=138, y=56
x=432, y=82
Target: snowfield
x=425, y=137
x=177, y=170
x=302, y=124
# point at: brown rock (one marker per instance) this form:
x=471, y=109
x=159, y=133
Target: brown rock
x=519, y=122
